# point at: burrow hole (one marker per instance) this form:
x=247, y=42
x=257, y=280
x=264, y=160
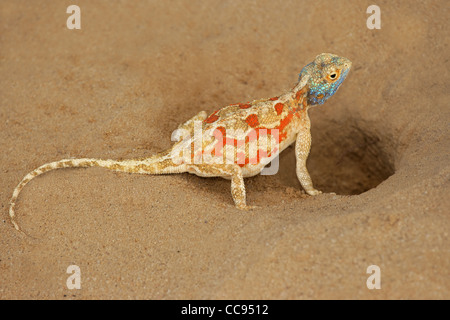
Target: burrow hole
x=344, y=159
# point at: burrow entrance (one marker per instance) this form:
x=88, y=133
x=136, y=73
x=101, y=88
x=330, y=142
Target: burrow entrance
x=345, y=159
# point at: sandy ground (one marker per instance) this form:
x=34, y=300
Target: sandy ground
x=118, y=87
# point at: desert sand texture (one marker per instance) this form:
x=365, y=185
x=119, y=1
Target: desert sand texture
x=120, y=86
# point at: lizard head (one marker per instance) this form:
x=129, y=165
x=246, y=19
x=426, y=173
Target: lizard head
x=324, y=76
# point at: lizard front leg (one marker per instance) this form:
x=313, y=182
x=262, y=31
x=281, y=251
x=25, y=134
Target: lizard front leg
x=302, y=148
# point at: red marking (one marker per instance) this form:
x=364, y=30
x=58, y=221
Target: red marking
x=220, y=135
x=240, y=158
x=273, y=99
x=279, y=108
x=252, y=120
x=192, y=151
x=252, y=136
x=258, y=132
x=239, y=145
x=259, y=155
x=244, y=105
x=212, y=118
x=219, y=132
x=285, y=121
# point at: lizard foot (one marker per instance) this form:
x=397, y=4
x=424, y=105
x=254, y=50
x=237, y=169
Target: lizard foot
x=246, y=207
x=313, y=192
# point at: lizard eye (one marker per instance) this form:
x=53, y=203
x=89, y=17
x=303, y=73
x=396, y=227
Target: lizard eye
x=333, y=76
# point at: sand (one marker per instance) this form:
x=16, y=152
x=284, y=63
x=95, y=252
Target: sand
x=118, y=87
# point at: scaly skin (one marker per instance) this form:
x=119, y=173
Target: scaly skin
x=236, y=141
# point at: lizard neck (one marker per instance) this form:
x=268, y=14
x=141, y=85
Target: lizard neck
x=296, y=118
x=297, y=98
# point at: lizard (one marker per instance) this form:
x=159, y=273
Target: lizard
x=236, y=141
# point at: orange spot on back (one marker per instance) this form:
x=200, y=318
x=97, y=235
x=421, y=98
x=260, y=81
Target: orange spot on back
x=212, y=118
x=244, y=105
x=273, y=99
x=279, y=108
x=252, y=120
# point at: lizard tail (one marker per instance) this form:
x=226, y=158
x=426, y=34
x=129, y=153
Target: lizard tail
x=158, y=164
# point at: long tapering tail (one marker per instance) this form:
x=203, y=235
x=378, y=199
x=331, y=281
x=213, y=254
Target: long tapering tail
x=158, y=164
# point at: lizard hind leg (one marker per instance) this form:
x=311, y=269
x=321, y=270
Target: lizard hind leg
x=188, y=126
x=228, y=171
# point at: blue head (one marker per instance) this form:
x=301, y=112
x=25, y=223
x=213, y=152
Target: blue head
x=326, y=73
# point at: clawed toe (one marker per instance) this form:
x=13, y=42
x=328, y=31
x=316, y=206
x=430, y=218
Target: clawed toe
x=314, y=192
x=246, y=207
